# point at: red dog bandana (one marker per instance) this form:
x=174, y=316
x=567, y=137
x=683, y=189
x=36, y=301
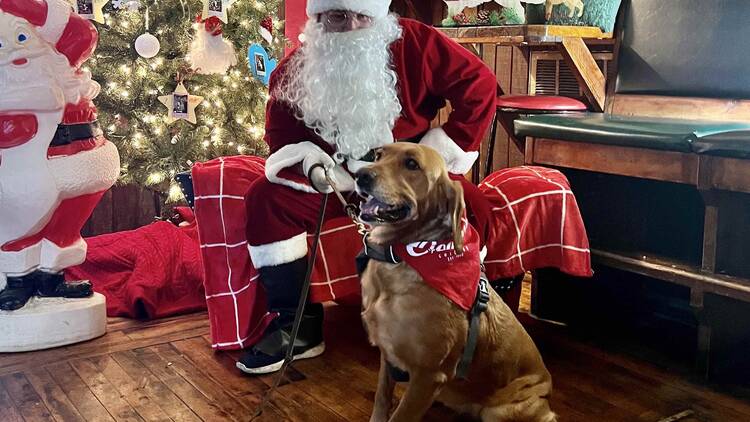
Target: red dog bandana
x=454, y=276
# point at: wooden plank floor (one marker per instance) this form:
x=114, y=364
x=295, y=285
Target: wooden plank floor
x=165, y=370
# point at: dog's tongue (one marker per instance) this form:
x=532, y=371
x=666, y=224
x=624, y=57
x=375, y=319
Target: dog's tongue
x=373, y=205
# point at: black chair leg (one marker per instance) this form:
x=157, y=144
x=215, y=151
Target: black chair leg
x=489, y=159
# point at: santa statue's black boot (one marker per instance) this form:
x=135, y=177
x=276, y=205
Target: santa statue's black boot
x=17, y=292
x=54, y=285
x=283, y=285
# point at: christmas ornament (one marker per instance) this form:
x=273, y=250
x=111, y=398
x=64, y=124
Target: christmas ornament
x=461, y=18
x=131, y=5
x=209, y=52
x=216, y=8
x=90, y=9
x=266, y=29
x=147, y=45
x=261, y=66
x=483, y=17
x=575, y=7
x=180, y=104
x=456, y=7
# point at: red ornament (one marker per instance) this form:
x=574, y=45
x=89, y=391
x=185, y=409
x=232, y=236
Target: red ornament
x=267, y=23
x=212, y=24
x=461, y=19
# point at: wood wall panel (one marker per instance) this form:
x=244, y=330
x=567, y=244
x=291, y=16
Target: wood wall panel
x=519, y=86
x=124, y=207
x=511, y=66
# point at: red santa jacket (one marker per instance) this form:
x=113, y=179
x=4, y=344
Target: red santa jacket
x=431, y=69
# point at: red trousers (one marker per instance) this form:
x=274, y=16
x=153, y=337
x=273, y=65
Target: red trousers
x=279, y=218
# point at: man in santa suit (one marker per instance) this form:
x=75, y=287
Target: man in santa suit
x=54, y=162
x=363, y=78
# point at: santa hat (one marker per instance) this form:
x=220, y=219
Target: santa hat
x=71, y=35
x=373, y=8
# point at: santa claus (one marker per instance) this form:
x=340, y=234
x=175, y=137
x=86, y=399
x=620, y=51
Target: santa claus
x=54, y=162
x=363, y=78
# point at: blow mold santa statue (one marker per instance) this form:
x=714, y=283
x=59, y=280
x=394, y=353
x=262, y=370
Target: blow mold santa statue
x=54, y=162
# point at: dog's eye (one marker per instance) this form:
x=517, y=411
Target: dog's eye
x=378, y=154
x=411, y=164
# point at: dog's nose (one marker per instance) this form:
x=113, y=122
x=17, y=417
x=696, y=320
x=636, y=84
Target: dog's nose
x=365, y=179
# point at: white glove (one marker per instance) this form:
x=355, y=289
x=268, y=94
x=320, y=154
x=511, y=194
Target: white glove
x=319, y=162
x=343, y=181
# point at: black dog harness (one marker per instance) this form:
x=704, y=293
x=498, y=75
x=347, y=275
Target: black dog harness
x=388, y=255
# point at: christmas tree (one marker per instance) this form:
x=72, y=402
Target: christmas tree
x=229, y=120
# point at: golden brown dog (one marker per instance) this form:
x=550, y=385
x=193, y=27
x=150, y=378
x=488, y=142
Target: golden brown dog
x=409, y=197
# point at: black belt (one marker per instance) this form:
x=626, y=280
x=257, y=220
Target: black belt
x=67, y=134
x=388, y=255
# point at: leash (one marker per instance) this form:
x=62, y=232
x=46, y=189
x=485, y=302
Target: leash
x=289, y=358
x=349, y=208
x=351, y=211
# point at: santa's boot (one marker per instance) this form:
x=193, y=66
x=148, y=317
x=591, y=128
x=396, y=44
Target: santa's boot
x=283, y=285
x=17, y=292
x=54, y=285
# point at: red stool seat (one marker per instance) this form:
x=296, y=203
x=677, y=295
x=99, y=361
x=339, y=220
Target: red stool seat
x=549, y=103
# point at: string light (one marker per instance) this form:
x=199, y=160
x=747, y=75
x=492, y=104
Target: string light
x=131, y=84
x=155, y=178
x=175, y=193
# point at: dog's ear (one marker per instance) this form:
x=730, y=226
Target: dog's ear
x=456, y=207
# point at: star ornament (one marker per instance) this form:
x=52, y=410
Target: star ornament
x=90, y=9
x=217, y=8
x=181, y=105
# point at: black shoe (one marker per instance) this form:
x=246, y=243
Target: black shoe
x=256, y=362
x=16, y=294
x=54, y=285
x=283, y=286
x=268, y=355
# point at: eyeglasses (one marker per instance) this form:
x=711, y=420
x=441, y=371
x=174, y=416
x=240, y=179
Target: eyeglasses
x=341, y=18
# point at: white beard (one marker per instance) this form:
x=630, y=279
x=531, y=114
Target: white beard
x=343, y=86
x=47, y=80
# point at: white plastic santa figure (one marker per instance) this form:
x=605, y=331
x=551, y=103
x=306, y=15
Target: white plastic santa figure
x=363, y=78
x=54, y=162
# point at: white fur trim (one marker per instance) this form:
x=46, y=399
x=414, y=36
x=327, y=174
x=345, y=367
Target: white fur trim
x=288, y=156
x=44, y=255
x=374, y=8
x=18, y=263
x=58, y=14
x=457, y=160
x=281, y=252
x=86, y=172
x=55, y=259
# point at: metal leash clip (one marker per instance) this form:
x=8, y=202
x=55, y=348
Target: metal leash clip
x=350, y=209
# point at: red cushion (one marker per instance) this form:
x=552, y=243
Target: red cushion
x=540, y=102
